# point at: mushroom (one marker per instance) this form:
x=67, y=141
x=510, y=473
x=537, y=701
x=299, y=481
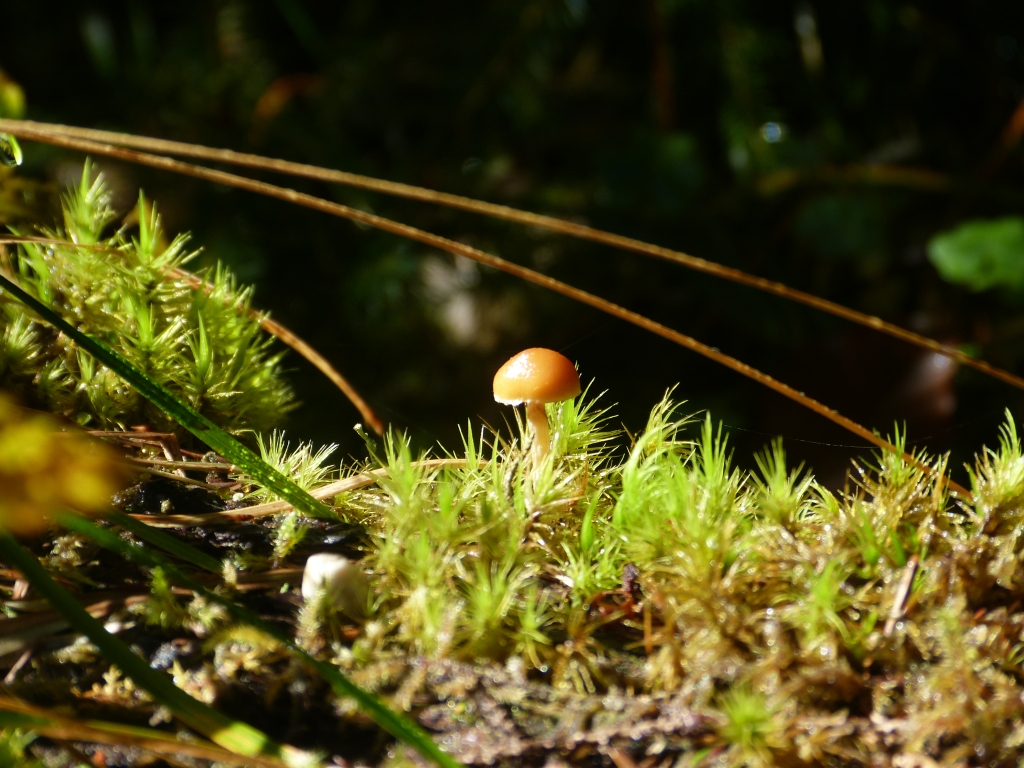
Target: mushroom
x=535, y=377
x=341, y=582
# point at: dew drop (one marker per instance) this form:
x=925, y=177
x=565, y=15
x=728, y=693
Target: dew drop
x=772, y=132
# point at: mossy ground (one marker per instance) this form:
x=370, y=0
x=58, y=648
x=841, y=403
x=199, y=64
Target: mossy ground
x=633, y=599
x=629, y=600
x=119, y=280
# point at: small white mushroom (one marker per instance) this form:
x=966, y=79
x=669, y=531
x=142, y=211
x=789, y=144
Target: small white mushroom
x=342, y=583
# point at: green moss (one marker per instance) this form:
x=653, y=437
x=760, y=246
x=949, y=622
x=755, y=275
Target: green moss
x=768, y=602
x=121, y=287
x=649, y=596
x=13, y=742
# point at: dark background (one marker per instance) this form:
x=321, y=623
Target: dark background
x=773, y=137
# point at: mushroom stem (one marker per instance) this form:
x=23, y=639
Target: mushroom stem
x=538, y=418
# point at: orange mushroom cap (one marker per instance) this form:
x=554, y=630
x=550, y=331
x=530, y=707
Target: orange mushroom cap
x=536, y=375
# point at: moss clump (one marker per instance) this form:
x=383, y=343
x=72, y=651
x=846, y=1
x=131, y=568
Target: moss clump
x=646, y=603
x=805, y=627
x=202, y=345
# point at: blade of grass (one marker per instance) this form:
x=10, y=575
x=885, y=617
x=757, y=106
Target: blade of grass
x=17, y=714
x=460, y=249
x=394, y=723
x=926, y=179
x=231, y=734
x=194, y=422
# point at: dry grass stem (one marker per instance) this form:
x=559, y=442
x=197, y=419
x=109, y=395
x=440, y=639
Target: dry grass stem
x=460, y=249
x=328, y=491
x=202, y=466
x=903, y=176
x=71, y=729
x=899, y=601
x=176, y=477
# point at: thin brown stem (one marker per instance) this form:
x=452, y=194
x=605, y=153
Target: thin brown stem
x=353, y=483
x=460, y=249
x=191, y=466
x=1011, y=134
x=911, y=176
x=175, y=477
x=873, y=174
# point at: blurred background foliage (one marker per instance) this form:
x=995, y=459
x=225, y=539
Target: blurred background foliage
x=866, y=152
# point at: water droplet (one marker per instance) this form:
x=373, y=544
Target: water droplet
x=772, y=132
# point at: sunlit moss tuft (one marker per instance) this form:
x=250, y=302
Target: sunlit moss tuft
x=122, y=288
x=13, y=743
x=749, y=726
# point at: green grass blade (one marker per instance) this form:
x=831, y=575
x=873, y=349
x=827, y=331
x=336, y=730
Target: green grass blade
x=194, y=422
x=233, y=735
x=16, y=714
x=397, y=725
x=166, y=542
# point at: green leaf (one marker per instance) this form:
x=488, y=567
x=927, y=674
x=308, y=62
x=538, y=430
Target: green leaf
x=14, y=738
x=194, y=422
x=20, y=720
x=394, y=723
x=231, y=734
x=898, y=554
x=981, y=254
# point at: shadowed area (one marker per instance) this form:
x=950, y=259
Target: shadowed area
x=824, y=147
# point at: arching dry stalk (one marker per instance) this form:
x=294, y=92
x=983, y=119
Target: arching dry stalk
x=460, y=249
x=921, y=178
